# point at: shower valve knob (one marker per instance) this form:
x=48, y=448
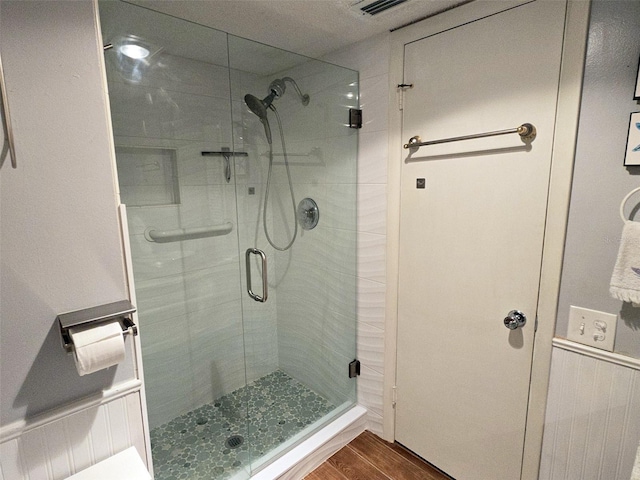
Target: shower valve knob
x=515, y=320
x=308, y=213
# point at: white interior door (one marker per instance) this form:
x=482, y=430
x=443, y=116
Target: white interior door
x=471, y=240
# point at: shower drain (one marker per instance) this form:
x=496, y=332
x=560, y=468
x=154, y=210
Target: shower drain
x=234, y=441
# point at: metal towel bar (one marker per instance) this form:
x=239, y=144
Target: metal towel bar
x=8, y=130
x=527, y=131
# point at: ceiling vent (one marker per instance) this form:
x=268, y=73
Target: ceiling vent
x=380, y=6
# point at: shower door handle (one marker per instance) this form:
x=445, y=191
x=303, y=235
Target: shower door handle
x=263, y=257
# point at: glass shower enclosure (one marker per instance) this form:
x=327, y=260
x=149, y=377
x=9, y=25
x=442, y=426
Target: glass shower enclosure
x=243, y=249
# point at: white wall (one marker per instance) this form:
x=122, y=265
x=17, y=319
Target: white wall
x=60, y=245
x=600, y=180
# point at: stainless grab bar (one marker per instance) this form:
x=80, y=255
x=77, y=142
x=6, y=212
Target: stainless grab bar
x=8, y=130
x=527, y=131
x=257, y=251
x=314, y=152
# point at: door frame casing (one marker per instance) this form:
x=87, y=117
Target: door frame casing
x=561, y=174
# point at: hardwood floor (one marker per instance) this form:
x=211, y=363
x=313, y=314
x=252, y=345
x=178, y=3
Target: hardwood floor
x=368, y=457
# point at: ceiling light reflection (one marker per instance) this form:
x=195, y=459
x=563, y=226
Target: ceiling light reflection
x=131, y=50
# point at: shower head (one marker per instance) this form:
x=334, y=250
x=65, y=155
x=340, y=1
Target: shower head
x=276, y=90
x=259, y=108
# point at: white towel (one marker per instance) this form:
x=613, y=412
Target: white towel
x=625, y=281
x=635, y=474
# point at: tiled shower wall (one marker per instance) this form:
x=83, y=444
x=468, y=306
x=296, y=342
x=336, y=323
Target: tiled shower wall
x=371, y=59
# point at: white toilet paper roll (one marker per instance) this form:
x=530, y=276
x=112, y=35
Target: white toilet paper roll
x=97, y=347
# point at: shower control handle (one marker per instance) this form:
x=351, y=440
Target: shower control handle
x=263, y=257
x=515, y=320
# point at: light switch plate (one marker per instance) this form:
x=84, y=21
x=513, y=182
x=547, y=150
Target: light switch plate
x=591, y=327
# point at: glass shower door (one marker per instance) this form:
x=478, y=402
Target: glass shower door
x=169, y=91
x=300, y=341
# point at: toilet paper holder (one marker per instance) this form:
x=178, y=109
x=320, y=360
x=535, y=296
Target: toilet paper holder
x=122, y=311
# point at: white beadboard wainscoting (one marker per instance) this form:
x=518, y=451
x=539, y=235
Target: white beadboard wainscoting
x=592, y=426
x=70, y=439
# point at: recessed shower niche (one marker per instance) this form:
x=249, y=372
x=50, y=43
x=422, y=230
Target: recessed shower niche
x=148, y=176
x=231, y=382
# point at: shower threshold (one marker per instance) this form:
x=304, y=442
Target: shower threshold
x=270, y=415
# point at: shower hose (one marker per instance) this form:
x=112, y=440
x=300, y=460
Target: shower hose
x=266, y=193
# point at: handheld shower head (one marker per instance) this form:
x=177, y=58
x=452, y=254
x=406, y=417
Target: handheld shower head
x=276, y=90
x=259, y=108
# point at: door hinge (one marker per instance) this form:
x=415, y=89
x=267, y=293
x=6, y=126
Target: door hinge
x=401, y=88
x=355, y=118
x=394, y=395
x=354, y=368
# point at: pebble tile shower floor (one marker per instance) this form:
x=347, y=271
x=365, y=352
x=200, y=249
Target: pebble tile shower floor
x=194, y=446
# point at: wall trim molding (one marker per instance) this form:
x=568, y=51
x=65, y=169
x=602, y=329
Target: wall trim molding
x=20, y=427
x=604, y=355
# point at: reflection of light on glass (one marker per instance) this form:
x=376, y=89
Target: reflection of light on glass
x=134, y=51
x=350, y=95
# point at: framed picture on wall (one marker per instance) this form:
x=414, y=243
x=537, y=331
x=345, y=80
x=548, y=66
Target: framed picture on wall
x=632, y=155
x=636, y=96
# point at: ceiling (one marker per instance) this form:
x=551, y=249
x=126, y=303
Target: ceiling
x=309, y=27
